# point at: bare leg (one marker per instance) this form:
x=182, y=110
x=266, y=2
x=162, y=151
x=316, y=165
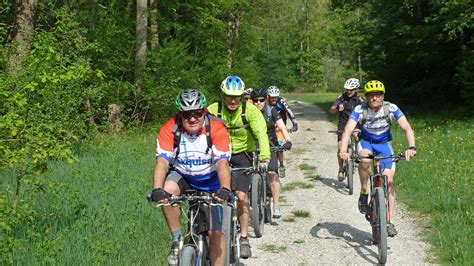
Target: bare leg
x=364, y=168
x=244, y=209
x=339, y=160
x=217, y=247
x=391, y=193
x=275, y=187
x=172, y=213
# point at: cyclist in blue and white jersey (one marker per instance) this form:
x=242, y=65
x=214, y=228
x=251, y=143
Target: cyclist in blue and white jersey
x=375, y=116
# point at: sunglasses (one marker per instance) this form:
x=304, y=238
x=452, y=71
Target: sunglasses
x=258, y=100
x=232, y=97
x=351, y=90
x=196, y=114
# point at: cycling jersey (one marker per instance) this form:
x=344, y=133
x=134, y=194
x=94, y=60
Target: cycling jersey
x=196, y=166
x=271, y=115
x=283, y=108
x=376, y=128
x=349, y=104
x=242, y=139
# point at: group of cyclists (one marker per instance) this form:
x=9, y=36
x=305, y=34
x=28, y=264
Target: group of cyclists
x=197, y=148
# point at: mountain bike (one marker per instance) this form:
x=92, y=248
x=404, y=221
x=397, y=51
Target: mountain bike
x=257, y=191
x=350, y=165
x=379, y=203
x=193, y=248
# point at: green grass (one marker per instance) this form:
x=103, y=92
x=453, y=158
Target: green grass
x=301, y=213
x=439, y=181
x=296, y=185
x=94, y=211
x=273, y=248
x=313, y=177
x=289, y=219
x=306, y=167
x=298, y=241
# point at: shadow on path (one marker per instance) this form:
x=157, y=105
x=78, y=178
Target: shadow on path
x=357, y=239
x=334, y=184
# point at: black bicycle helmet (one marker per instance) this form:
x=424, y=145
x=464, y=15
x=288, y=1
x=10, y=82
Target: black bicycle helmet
x=259, y=92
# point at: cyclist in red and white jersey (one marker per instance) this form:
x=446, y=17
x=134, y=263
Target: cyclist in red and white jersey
x=193, y=152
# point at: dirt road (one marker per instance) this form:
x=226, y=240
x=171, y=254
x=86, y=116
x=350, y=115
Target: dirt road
x=335, y=232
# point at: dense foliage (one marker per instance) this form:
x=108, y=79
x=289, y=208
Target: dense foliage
x=81, y=58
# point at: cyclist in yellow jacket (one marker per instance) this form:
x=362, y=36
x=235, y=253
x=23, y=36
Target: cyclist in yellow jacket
x=245, y=125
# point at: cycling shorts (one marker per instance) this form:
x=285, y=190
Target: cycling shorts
x=214, y=216
x=273, y=165
x=241, y=179
x=382, y=149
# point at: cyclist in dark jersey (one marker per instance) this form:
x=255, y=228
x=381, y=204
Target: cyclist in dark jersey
x=273, y=120
x=279, y=103
x=344, y=104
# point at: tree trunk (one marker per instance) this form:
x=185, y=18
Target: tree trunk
x=140, y=56
x=233, y=31
x=154, y=24
x=22, y=32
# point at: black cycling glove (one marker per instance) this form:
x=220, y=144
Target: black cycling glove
x=223, y=194
x=159, y=194
x=287, y=145
x=295, y=126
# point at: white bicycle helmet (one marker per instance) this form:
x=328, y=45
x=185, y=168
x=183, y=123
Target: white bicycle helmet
x=352, y=84
x=273, y=91
x=248, y=91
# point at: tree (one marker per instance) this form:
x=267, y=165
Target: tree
x=140, y=55
x=22, y=32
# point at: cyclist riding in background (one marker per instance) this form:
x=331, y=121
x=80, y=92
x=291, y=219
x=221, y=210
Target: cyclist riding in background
x=193, y=152
x=279, y=103
x=374, y=116
x=247, y=95
x=345, y=104
x=245, y=125
x=273, y=120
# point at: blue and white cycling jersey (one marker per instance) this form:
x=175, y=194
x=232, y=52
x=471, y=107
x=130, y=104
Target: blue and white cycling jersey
x=376, y=129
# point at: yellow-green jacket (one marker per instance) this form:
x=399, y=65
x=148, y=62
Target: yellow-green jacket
x=242, y=138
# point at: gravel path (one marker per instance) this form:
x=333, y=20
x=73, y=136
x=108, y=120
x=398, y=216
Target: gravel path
x=335, y=232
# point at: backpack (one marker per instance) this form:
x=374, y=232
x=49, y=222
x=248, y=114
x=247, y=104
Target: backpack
x=365, y=113
x=243, y=116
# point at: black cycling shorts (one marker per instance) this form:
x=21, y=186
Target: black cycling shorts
x=241, y=179
x=273, y=166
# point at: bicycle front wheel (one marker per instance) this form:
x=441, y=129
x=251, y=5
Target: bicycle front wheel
x=187, y=256
x=257, y=204
x=381, y=223
x=350, y=176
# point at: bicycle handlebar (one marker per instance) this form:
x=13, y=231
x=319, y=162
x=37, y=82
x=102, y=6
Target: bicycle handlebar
x=201, y=196
x=395, y=157
x=277, y=149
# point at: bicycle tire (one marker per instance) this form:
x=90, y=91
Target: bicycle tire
x=350, y=176
x=381, y=212
x=268, y=203
x=257, y=204
x=188, y=256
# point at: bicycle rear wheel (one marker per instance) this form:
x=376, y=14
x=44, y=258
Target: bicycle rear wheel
x=187, y=256
x=257, y=204
x=381, y=223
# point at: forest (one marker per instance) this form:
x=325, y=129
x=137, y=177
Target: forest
x=64, y=64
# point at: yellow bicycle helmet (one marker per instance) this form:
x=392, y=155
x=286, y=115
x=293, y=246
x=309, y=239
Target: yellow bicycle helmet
x=374, y=86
